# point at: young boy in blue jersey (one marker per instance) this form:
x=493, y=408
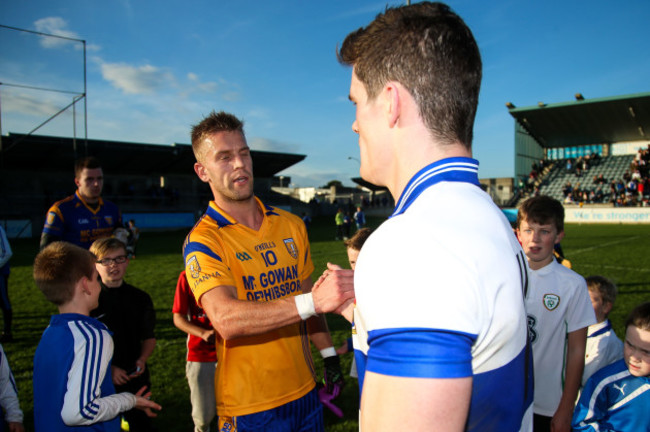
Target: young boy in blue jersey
x=617, y=397
x=73, y=390
x=559, y=313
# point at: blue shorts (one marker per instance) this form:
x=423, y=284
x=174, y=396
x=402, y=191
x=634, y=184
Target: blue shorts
x=302, y=415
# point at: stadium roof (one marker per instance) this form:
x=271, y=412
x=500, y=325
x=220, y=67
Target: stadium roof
x=48, y=153
x=587, y=121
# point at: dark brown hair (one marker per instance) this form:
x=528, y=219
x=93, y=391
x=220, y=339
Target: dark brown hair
x=58, y=268
x=428, y=49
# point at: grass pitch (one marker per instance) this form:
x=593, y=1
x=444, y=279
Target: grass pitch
x=619, y=252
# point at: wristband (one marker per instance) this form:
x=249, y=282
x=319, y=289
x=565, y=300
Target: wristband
x=305, y=305
x=328, y=352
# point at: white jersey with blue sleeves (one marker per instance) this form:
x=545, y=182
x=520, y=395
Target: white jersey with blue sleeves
x=440, y=292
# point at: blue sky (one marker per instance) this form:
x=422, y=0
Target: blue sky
x=154, y=68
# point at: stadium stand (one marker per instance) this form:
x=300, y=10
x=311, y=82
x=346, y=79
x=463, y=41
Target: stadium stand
x=584, y=151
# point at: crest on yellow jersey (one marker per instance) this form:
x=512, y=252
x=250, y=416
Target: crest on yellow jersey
x=291, y=247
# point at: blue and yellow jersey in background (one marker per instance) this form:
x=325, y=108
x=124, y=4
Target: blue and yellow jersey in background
x=74, y=221
x=260, y=372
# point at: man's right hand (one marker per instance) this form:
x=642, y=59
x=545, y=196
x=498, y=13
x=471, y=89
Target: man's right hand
x=334, y=290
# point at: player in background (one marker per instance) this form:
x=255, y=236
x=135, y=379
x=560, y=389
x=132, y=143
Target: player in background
x=559, y=312
x=201, y=354
x=617, y=397
x=603, y=346
x=84, y=216
x=249, y=267
x=439, y=285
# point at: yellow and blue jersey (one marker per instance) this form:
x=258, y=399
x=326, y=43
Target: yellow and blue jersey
x=74, y=221
x=261, y=372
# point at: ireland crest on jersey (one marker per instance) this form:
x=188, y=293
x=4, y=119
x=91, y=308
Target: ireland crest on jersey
x=551, y=301
x=291, y=247
x=194, y=267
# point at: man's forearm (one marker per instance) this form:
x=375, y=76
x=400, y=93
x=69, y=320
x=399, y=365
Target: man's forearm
x=46, y=239
x=319, y=332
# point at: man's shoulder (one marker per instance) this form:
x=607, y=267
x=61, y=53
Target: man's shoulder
x=68, y=202
x=109, y=205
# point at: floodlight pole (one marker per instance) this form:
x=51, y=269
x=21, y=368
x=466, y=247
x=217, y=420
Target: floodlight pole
x=85, y=105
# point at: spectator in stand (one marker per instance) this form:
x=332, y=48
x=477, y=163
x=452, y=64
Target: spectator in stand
x=567, y=189
x=598, y=194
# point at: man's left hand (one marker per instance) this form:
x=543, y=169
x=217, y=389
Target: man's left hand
x=333, y=375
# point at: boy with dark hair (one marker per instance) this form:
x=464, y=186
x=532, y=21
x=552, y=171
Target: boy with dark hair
x=127, y=312
x=72, y=380
x=559, y=312
x=603, y=346
x=617, y=397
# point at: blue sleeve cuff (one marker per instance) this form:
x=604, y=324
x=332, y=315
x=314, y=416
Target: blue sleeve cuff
x=420, y=353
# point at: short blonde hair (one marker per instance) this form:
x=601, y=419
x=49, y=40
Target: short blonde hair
x=104, y=245
x=58, y=268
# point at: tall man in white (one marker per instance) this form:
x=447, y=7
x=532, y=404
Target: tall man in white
x=439, y=286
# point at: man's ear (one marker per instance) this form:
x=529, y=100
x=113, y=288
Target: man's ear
x=200, y=171
x=392, y=98
x=77, y=182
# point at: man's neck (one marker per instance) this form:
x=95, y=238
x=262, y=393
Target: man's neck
x=247, y=212
x=88, y=200
x=412, y=165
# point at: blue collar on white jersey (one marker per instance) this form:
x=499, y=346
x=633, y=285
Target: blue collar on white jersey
x=606, y=328
x=456, y=169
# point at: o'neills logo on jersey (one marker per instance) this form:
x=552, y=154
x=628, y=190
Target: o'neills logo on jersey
x=194, y=267
x=551, y=301
x=291, y=247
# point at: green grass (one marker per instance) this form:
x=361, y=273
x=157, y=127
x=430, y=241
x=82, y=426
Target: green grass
x=619, y=252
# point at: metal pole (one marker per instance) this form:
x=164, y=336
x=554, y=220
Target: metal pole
x=85, y=103
x=74, y=127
